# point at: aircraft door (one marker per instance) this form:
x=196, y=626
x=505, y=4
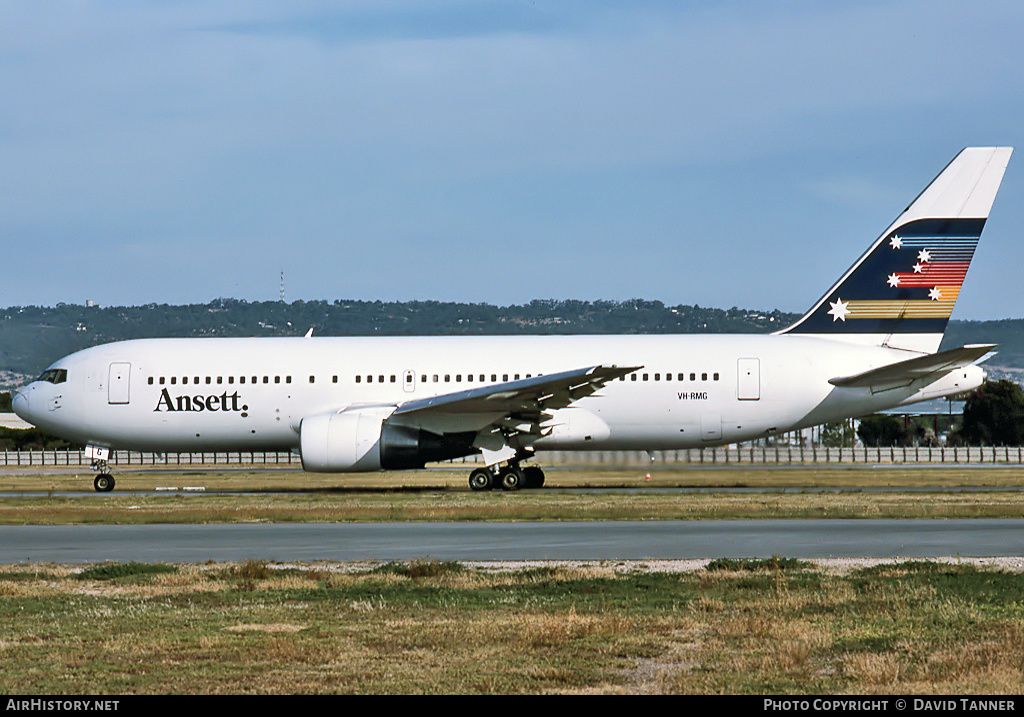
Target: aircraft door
x=117, y=383
x=748, y=379
x=409, y=381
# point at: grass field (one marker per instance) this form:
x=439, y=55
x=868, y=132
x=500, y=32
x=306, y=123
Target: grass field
x=757, y=627
x=736, y=627
x=688, y=493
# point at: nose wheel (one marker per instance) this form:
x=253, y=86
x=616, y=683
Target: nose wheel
x=104, y=482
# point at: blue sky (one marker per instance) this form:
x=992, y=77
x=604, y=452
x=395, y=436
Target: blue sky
x=713, y=153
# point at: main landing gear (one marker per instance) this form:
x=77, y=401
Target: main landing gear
x=509, y=477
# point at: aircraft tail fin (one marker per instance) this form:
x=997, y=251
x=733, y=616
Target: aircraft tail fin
x=901, y=292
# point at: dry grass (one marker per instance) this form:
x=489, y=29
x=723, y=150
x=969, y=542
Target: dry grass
x=441, y=495
x=448, y=628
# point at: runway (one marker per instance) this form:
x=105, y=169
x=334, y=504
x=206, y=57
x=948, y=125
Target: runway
x=514, y=541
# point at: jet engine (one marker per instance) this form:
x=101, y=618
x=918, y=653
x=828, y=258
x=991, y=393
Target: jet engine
x=363, y=440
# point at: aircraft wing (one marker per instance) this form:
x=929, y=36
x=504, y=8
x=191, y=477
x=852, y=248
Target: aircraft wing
x=513, y=407
x=903, y=373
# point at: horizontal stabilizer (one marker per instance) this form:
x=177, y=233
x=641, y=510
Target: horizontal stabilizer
x=905, y=372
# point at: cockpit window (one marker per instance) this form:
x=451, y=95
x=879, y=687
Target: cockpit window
x=54, y=375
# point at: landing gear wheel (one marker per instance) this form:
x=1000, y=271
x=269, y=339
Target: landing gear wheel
x=104, y=483
x=534, y=477
x=512, y=477
x=481, y=480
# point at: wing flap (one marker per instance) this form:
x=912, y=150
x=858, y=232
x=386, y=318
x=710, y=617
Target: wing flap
x=514, y=405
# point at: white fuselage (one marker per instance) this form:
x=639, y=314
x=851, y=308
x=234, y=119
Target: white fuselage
x=182, y=395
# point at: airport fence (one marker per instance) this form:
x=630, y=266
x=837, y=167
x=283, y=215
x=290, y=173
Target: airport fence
x=730, y=455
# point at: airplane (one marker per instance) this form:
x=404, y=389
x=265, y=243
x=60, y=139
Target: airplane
x=351, y=404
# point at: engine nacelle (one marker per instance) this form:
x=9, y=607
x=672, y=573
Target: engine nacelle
x=363, y=440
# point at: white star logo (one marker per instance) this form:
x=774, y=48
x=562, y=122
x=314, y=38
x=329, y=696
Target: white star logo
x=924, y=255
x=935, y=294
x=918, y=268
x=894, y=280
x=839, y=310
x=895, y=242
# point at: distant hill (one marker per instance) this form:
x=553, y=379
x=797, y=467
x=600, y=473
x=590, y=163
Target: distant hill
x=33, y=337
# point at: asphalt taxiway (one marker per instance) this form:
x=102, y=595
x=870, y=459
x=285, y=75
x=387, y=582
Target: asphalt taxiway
x=520, y=541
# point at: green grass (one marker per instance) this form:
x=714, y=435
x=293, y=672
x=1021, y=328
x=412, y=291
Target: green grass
x=114, y=571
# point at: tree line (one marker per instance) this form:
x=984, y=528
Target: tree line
x=993, y=415
x=33, y=337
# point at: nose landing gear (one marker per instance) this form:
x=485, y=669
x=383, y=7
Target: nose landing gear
x=104, y=482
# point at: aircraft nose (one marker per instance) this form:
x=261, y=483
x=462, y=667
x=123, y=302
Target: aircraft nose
x=20, y=405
